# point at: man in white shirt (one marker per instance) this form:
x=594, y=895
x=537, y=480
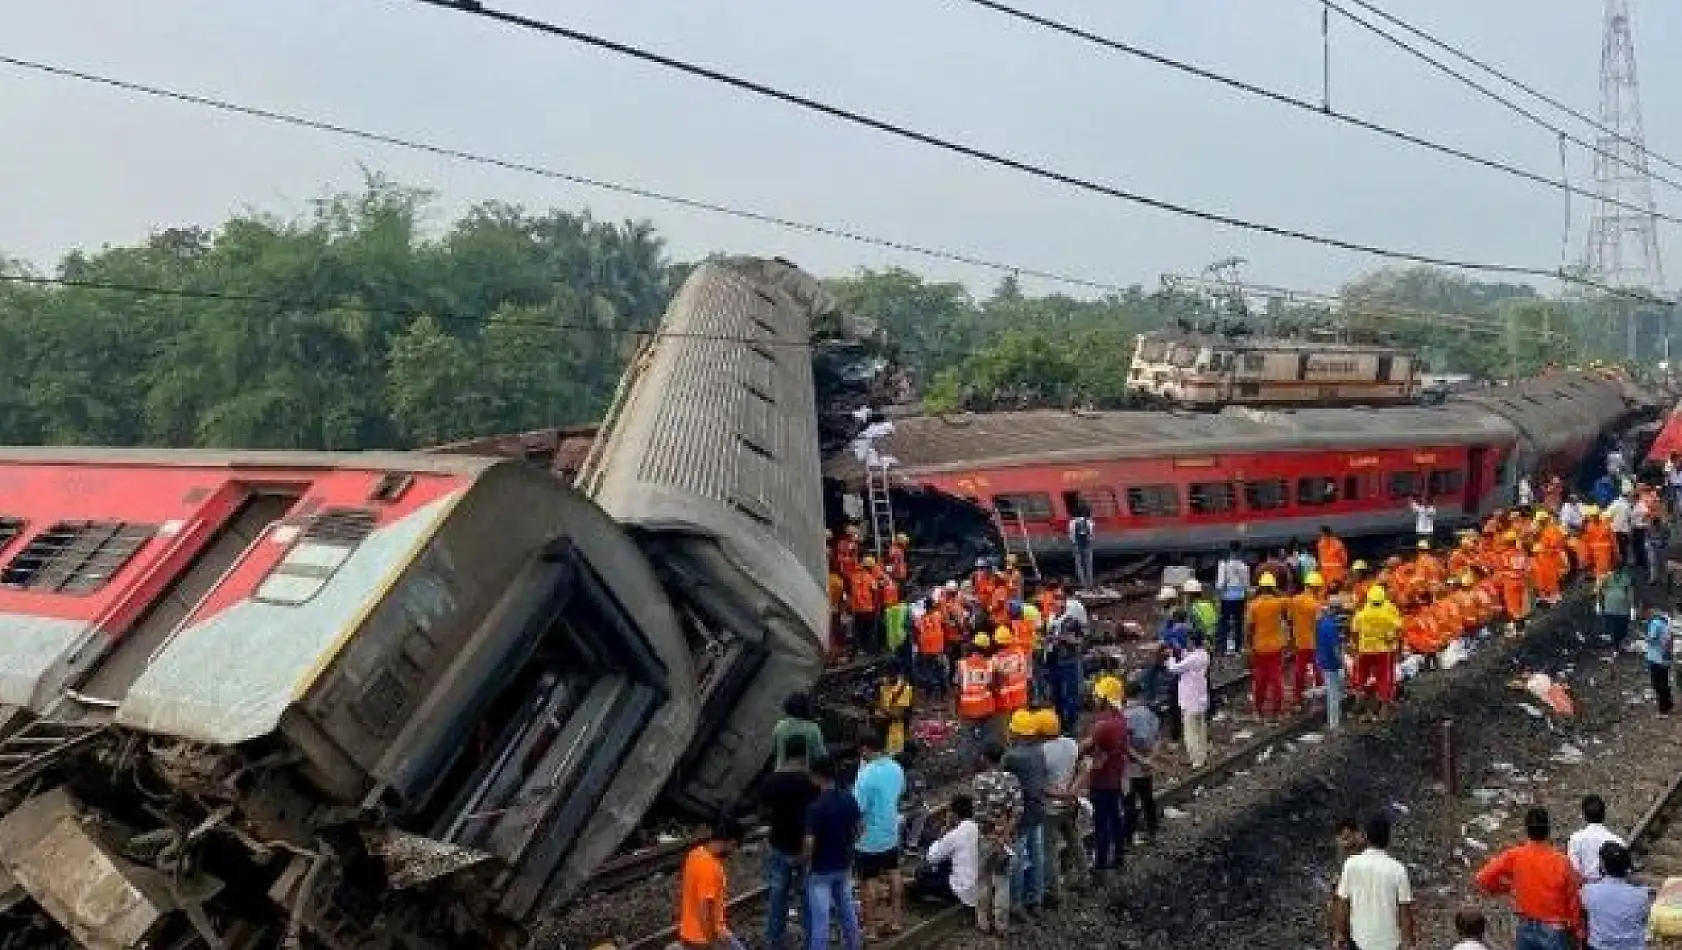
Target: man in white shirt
x=1526, y=494
x=1374, y=899
x=960, y=848
x=1618, y=515
x=1232, y=585
x=1424, y=524
x=1584, y=847
x=1065, y=852
x=1571, y=515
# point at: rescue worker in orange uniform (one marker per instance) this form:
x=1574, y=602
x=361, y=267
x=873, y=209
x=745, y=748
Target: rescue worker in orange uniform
x=977, y=705
x=1601, y=543
x=1333, y=557
x=983, y=581
x=837, y=606
x=1304, y=615
x=1545, y=576
x=1515, y=580
x=1265, y=620
x=1360, y=581
x=1014, y=666
x=931, y=650
x=865, y=603
x=899, y=568
x=1464, y=555
x=847, y=551
x=1012, y=578
x=1427, y=568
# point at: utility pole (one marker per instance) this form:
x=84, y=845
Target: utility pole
x=1623, y=245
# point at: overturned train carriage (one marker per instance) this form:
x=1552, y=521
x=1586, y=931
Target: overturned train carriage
x=348, y=701
x=710, y=455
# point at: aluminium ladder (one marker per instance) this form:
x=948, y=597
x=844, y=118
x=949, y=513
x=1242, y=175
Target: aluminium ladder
x=879, y=500
x=1013, y=530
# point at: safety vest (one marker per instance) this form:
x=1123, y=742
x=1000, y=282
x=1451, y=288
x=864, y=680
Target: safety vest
x=896, y=563
x=847, y=555
x=1025, y=631
x=863, y=592
x=975, y=688
x=931, y=634
x=889, y=590
x=1012, y=664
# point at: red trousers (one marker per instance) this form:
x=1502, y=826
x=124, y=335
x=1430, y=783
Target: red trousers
x=1378, y=669
x=1267, y=683
x=1305, y=675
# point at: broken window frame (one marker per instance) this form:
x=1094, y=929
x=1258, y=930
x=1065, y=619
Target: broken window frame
x=75, y=558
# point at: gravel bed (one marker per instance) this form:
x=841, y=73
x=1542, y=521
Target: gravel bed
x=1252, y=864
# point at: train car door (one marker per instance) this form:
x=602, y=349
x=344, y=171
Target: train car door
x=1384, y=367
x=1476, y=457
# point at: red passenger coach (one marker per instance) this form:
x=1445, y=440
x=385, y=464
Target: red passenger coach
x=1171, y=483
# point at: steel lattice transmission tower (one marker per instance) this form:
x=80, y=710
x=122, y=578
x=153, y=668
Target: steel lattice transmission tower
x=1623, y=248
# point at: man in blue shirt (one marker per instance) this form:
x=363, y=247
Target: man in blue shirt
x=1616, y=909
x=1657, y=636
x=1328, y=656
x=878, y=788
x=832, y=825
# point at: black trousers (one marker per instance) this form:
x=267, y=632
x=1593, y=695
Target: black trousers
x=1140, y=804
x=1659, y=673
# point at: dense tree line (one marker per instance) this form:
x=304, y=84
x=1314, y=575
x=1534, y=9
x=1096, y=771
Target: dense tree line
x=358, y=326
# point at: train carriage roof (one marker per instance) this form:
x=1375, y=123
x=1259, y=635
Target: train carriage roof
x=931, y=444
x=441, y=463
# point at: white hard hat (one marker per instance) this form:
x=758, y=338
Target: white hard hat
x=1168, y=593
x=951, y=585
x=1191, y=586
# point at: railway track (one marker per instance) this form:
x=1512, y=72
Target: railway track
x=1656, y=840
x=925, y=926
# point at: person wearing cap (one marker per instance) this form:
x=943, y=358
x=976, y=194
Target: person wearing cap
x=1360, y=580
x=1065, y=853
x=1064, y=674
x=1601, y=543
x=899, y=567
x=1303, y=611
x=865, y=602
x=977, y=700
x=1025, y=761
x=1205, y=614
x=1377, y=630
x=1265, y=623
x=1108, y=751
x=1012, y=664
x=998, y=805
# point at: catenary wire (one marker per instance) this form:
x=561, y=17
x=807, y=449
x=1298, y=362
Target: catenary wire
x=1303, y=105
x=1509, y=79
x=696, y=204
x=1024, y=166
x=1489, y=93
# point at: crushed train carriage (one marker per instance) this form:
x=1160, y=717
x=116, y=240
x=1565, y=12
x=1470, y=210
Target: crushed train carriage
x=373, y=700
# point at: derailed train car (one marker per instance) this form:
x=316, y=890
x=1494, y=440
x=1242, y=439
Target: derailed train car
x=362, y=701
x=359, y=700
x=710, y=456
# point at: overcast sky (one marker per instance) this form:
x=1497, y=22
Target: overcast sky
x=85, y=166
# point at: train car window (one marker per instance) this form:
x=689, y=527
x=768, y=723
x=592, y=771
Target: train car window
x=1404, y=484
x=1267, y=494
x=1316, y=491
x=316, y=556
x=1034, y=506
x=1353, y=490
x=1096, y=502
x=1255, y=362
x=75, y=557
x=1153, y=501
x=10, y=528
x=1445, y=483
x=1212, y=498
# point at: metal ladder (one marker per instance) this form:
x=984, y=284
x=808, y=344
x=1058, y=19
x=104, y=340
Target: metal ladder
x=588, y=479
x=879, y=500
x=1014, y=531
x=38, y=745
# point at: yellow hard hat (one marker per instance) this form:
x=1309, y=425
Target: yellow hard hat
x=1542, y=514
x=1375, y=595
x=902, y=539
x=1010, y=560
x=1592, y=511
x=982, y=641
x=1467, y=580
x=1510, y=536
x=1109, y=689
x=1002, y=637
x=1049, y=726
x=1314, y=580
x=1267, y=581
x=1423, y=545
x=1536, y=548
x=869, y=562
x=1359, y=566
x=1023, y=722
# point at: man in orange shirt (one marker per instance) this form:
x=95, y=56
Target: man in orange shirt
x=1333, y=557
x=1544, y=886
x=1265, y=620
x=931, y=650
x=865, y=602
x=703, y=891
x=1304, y=613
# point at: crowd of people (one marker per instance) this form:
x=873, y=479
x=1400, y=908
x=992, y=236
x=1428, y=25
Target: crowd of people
x=1055, y=734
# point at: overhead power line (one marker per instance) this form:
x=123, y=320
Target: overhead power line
x=1303, y=105
x=1484, y=90
x=1021, y=165
x=507, y=164
x=1507, y=78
